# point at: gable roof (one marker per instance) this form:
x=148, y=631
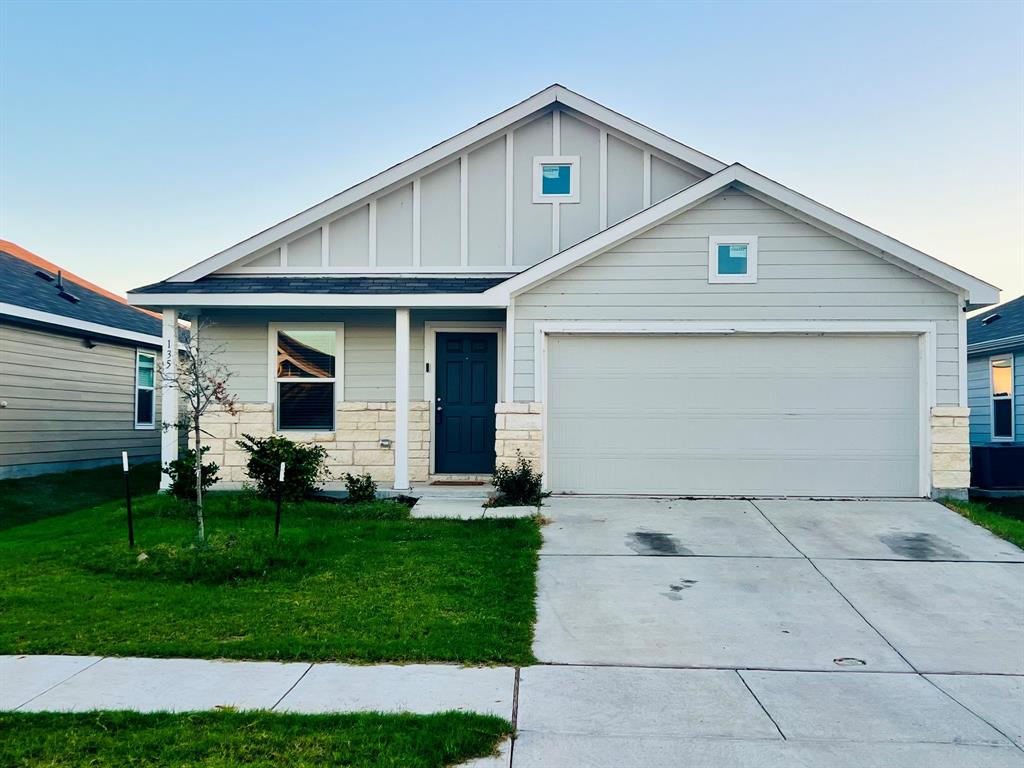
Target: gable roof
x=26, y=295
x=445, y=151
x=978, y=292
x=1005, y=330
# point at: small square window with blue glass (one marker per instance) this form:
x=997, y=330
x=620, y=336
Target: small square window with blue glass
x=732, y=259
x=555, y=179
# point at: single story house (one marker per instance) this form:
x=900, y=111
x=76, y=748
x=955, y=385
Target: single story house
x=78, y=371
x=631, y=314
x=995, y=390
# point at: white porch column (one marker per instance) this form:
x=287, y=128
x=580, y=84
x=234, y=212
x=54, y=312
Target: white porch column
x=169, y=395
x=402, y=399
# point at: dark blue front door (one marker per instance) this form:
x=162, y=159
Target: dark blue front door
x=467, y=389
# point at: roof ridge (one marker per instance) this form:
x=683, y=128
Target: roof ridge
x=35, y=260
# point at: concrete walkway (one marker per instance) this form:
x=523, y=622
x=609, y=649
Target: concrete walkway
x=80, y=683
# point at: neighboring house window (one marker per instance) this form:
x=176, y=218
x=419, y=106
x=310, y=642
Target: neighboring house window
x=145, y=390
x=556, y=179
x=1002, y=397
x=306, y=368
x=732, y=259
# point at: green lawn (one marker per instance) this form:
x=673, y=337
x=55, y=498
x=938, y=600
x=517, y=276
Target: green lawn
x=1004, y=517
x=33, y=498
x=251, y=739
x=360, y=583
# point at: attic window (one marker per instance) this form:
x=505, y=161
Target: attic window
x=732, y=259
x=556, y=179
x=990, y=319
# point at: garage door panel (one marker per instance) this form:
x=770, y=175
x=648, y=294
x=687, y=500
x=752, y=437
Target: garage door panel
x=734, y=415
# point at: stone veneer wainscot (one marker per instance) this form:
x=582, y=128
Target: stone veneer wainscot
x=951, y=451
x=354, y=446
x=518, y=427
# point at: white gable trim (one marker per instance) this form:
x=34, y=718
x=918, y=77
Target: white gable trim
x=461, y=143
x=978, y=292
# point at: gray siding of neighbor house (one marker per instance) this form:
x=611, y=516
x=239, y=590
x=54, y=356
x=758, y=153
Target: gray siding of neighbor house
x=67, y=406
x=484, y=167
x=369, y=374
x=803, y=274
x=979, y=398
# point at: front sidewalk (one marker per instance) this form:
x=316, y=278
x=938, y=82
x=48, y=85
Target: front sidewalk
x=82, y=683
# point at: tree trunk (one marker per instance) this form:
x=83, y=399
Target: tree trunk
x=200, y=527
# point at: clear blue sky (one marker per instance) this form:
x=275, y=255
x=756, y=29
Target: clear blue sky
x=138, y=138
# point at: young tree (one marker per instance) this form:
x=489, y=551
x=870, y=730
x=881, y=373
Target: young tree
x=200, y=380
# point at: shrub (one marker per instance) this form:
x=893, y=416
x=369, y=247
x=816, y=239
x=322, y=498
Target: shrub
x=305, y=466
x=182, y=472
x=360, y=488
x=518, y=485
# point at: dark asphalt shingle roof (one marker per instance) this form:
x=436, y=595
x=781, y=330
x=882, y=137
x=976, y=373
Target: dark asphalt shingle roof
x=327, y=285
x=1009, y=323
x=21, y=286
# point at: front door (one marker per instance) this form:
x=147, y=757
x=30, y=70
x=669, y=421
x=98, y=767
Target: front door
x=467, y=389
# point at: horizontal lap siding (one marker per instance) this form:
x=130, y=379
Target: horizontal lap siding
x=369, y=373
x=67, y=403
x=803, y=274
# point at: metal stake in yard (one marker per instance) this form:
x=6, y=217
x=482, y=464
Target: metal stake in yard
x=280, y=486
x=128, y=499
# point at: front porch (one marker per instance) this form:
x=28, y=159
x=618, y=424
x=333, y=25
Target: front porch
x=420, y=395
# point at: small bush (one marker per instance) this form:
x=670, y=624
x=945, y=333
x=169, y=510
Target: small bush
x=305, y=466
x=519, y=485
x=221, y=559
x=360, y=489
x=182, y=472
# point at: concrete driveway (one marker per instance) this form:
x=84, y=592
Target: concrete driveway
x=763, y=633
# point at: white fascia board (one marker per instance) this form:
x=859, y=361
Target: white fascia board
x=300, y=300
x=456, y=145
x=81, y=326
x=978, y=291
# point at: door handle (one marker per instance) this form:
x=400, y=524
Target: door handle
x=439, y=414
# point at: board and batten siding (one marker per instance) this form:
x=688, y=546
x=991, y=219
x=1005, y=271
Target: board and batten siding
x=979, y=398
x=418, y=223
x=67, y=404
x=240, y=338
x=803, y=274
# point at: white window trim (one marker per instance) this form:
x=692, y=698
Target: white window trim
x=1011, y=397
x=135, y=416
x=748, y=240
x=573, y=161
x=339, y=367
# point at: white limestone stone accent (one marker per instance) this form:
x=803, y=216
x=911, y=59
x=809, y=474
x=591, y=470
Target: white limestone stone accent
x=951, y=451
x=354, y=445
x=518, y=427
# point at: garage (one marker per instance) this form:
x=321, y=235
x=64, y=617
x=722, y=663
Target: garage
x=740, y=414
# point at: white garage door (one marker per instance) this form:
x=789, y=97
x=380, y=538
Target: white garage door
x=733, y=415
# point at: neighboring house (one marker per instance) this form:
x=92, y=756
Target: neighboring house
x=629, y=313
x=995, y=382
x=78, y=369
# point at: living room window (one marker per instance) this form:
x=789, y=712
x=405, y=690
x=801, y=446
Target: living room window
x=306, y=365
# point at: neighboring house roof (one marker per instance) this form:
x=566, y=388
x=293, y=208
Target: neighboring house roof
x=334, y=285
x=30, y=291
x=996, y=327
x=439, y=153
